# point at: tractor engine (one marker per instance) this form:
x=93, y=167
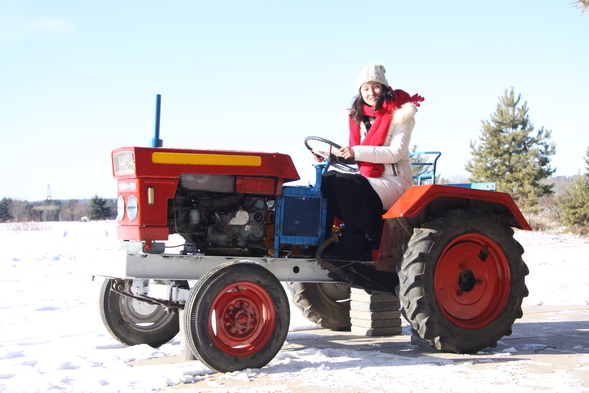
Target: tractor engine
x=219, y=224
x=218, y=201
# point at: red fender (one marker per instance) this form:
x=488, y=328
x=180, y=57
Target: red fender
x=441, y=197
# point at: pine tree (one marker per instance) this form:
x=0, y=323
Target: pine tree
x=510, y=155
x=5, y=210
x=99, y=208
x=574, y=204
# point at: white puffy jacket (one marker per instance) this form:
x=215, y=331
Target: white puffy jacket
x=394, y=154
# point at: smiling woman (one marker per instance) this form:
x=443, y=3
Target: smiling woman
x=380, y=121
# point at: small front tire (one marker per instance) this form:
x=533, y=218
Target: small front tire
x=236, y=317
x=134, y=322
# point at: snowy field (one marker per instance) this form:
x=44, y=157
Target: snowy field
x=53, y=339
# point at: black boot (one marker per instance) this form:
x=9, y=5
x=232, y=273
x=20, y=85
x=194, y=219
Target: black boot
x=350, y=247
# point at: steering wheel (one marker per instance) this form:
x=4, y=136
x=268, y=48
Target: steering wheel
x=326, y=153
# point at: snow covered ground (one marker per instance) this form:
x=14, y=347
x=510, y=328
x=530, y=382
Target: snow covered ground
x=52, y=338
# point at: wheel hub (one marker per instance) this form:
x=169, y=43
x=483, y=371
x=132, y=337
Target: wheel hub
x=143, y=308
x=242, y=318
x=472, y=281
x=466, y=281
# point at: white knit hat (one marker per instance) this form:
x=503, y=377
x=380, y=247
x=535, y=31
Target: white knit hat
x=372, y=73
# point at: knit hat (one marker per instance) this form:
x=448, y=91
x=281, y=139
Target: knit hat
x=372, y=73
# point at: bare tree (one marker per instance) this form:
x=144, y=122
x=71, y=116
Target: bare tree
x=22, y=211
x=72, y=210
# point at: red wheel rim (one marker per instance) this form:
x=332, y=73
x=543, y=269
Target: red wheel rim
x=241, y=319
x=472, y=281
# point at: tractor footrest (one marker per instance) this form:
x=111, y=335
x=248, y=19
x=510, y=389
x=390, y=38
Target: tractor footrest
x=348, y=261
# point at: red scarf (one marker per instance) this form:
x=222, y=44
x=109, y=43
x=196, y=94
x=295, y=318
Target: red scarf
x=380, y=128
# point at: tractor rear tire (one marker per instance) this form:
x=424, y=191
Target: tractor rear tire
x=325, y=304
x=133, y=322
x=462, y=281
x=236, y=317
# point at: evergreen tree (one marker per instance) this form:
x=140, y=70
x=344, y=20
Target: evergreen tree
x=50, y=215
x=5, y=210
x=111, y=208
x=99, y=208
x=574, y=204
x=510, y=155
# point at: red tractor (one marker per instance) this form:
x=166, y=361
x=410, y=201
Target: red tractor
x=448, y=253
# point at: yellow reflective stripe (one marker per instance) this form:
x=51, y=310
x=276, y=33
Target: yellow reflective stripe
x=205, y=159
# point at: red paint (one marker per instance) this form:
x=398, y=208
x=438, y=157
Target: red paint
x=472, y=281
x=152, y=220
x=242, y=319
x=417, y=198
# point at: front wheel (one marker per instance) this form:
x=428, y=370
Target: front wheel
x=236, y=317
x=462, y=281
x=134, y=322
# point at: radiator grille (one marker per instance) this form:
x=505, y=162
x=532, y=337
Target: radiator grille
x=301, y=216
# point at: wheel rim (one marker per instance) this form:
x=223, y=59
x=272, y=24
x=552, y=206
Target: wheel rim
x=242, y=319
x=142, y=315
x=334, y=293
x=472, y=281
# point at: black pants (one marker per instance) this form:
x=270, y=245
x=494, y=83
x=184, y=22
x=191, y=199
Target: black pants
x=352, y=199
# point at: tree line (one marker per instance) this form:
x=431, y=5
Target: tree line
x=97, y=208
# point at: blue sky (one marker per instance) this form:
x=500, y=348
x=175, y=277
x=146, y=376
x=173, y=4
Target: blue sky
x=79, y=78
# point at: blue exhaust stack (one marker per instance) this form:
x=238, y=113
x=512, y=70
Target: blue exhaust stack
x=156, y=141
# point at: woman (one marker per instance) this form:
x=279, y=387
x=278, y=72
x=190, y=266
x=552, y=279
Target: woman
x=381, y=120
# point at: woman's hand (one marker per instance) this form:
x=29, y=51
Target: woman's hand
x=318, y=158
x=346, y=152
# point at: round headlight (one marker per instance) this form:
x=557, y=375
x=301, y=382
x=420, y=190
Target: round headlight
x=120, y=208
x=132, y=207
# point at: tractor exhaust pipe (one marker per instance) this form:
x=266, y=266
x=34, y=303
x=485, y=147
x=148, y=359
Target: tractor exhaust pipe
x=156, y=141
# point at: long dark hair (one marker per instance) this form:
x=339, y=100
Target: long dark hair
x=356, y=109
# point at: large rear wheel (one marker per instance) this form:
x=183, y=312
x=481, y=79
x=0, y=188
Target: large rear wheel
x=325, y=304
x=462, y=281
x=236, y=317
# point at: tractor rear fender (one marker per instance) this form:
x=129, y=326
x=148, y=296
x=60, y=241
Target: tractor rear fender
x=420, y=202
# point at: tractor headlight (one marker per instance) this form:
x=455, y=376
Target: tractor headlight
x=120, y=208
x=124, y=163
x=132, y=207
